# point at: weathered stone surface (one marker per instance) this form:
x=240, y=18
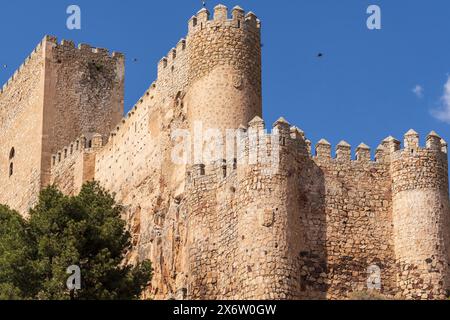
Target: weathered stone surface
x=312, y=227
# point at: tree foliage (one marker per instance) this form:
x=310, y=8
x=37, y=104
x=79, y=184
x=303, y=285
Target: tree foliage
x=15, y=255
x=85, y=230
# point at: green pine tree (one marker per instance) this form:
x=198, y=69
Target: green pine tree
x=17, y=276
x=86, y=230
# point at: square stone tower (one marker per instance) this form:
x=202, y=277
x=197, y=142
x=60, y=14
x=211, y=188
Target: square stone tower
x=59, y=93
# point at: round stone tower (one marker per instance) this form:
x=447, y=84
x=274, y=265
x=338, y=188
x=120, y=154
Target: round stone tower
x=224, y=63
x=421, y=216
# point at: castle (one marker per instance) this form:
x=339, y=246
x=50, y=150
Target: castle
x=315, y=227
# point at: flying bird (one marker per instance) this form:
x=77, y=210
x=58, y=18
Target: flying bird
x=320, y=55
x=5, y=66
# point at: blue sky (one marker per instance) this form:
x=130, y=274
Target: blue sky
x=360, y=91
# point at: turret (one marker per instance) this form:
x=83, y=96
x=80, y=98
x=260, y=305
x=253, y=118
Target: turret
x=323, y=149
x=222, y=92
x=283, y=129
x=421, y=217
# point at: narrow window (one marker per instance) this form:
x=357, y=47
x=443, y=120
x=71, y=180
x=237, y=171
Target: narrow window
x=12, y=154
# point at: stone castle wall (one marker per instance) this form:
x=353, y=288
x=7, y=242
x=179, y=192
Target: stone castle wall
x=87, y=87
x=21, y=117
x=320, y=225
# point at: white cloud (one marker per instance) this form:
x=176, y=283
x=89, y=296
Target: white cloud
x=418, y=91
x=443, y=112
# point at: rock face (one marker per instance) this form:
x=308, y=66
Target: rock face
x=268, y=220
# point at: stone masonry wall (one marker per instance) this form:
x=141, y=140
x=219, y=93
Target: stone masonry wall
x=74, y=165
x=349, y=224
x=21, y=114
x=224, y=69
x=312, y=230
x=59, y=93
x=315, y=229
